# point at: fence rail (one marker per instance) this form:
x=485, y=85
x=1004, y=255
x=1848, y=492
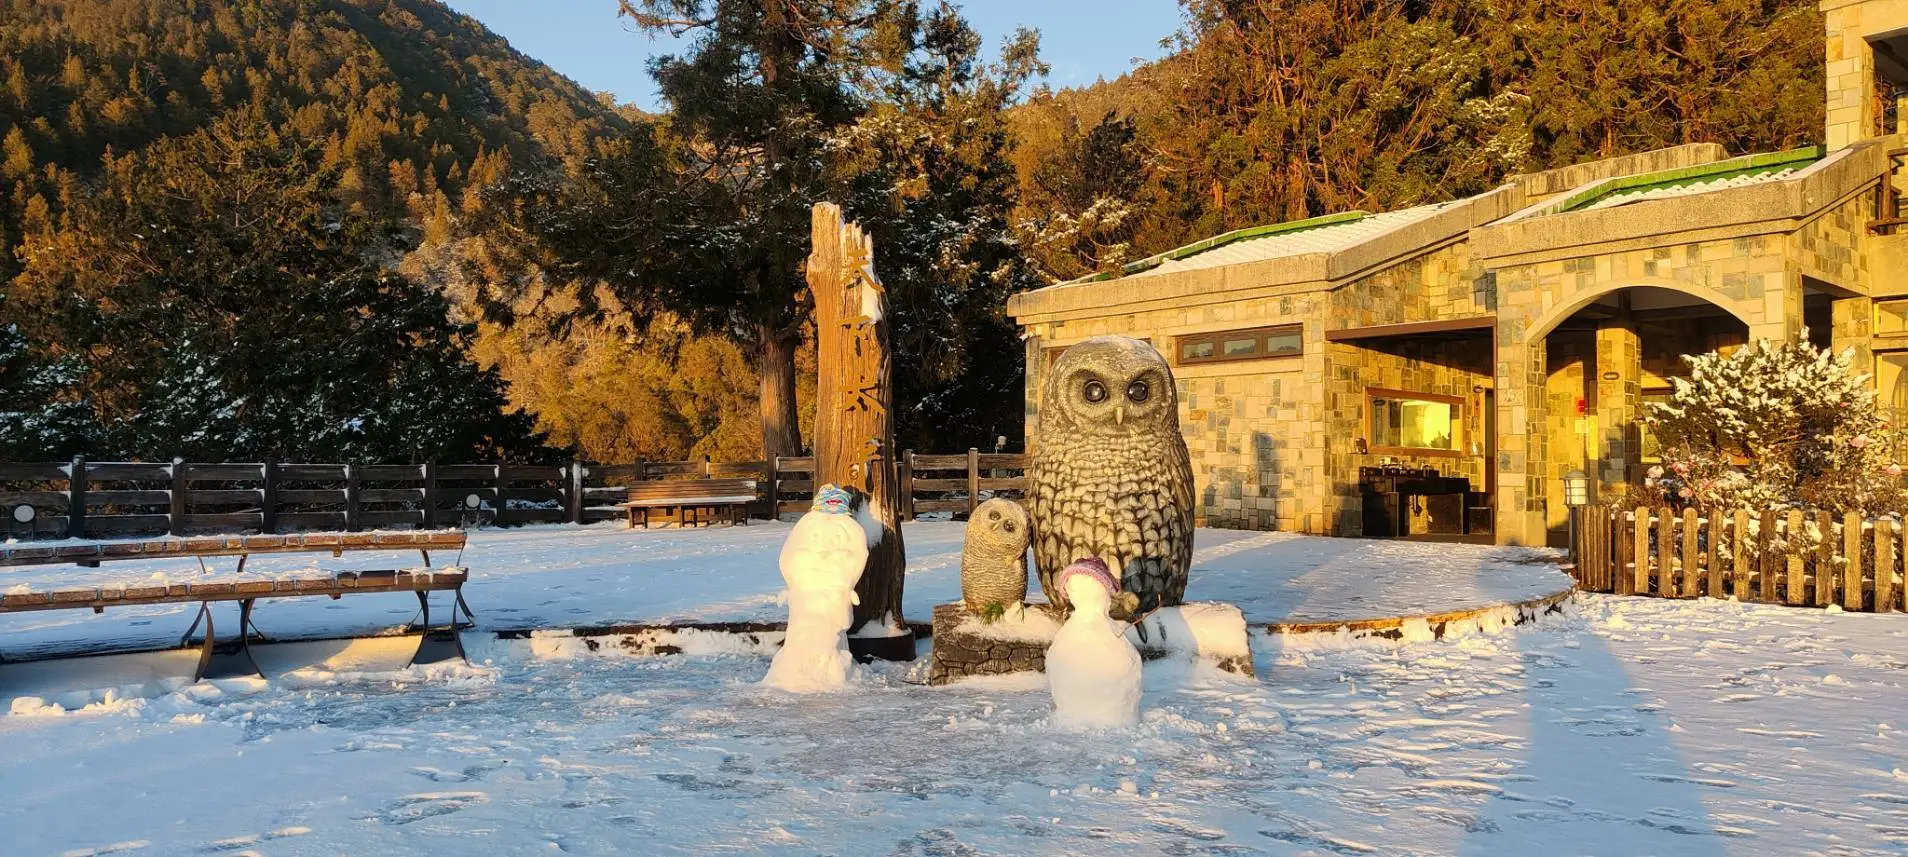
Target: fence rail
x=89, y=499
x=1798, y=558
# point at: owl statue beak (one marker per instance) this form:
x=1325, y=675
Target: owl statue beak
x=1119, y=415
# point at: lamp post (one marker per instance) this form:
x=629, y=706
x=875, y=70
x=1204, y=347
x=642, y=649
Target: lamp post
x=1576, y=489
x=472, y=516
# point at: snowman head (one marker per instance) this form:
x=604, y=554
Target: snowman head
x=1089, y=585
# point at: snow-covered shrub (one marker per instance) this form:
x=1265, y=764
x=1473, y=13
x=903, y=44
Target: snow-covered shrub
x=1775, y=426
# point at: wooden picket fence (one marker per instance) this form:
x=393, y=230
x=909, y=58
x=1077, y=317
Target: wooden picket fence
x=90, y=499
x=1798, y=558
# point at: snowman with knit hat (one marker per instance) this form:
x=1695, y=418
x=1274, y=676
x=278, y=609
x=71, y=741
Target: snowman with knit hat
x=1092, y=671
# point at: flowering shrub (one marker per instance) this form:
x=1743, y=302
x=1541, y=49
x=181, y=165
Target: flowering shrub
x=1775, y=426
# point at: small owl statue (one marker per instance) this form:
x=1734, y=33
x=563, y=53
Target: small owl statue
x=1110, y=475
x=994, y=559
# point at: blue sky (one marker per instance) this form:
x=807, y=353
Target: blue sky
x=583, y=39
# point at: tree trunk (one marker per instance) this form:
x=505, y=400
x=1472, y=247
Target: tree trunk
x=854, y=419
x=781, y=422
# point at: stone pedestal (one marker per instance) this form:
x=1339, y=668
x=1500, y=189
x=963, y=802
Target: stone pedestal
x=966, y=646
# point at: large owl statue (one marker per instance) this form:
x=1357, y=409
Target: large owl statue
x=1110, y=475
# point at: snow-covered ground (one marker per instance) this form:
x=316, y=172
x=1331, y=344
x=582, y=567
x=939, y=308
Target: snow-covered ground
x=1642, y=726
x=1630, y=726
x=566, y=576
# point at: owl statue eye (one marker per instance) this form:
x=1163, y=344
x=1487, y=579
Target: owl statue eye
x=1138, y=391
x=1008, y=526
x=1095, y=392
x=993, y=516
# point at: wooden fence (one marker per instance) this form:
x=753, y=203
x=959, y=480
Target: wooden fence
x=1798, y=558
x=88, y=499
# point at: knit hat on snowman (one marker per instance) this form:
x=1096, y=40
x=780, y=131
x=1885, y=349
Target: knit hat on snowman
x=1093, y=567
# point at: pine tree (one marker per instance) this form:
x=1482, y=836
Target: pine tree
x=42, y=414
x=935, y=184
x=234, y=306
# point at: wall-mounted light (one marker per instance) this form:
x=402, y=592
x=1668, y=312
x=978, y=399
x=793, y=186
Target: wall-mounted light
x=1611, y=376
x=1576, y=485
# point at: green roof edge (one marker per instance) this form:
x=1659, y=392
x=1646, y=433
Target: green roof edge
x=1232, y=237
x=1726, y=168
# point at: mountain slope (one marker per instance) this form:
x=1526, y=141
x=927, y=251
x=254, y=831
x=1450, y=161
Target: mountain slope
x=411, y=97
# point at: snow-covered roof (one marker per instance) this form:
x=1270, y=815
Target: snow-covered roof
x=1320, y=235
x=1701, y=186
x=1707, y=178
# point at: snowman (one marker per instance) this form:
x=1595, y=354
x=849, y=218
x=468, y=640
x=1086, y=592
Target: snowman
x=821, y=562
x=1092, y=671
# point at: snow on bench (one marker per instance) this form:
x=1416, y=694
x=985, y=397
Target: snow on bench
x=221, y=659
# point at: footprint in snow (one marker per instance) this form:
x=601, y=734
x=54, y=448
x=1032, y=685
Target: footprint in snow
x=237, y=842
x=471, y=772
x=425, y=805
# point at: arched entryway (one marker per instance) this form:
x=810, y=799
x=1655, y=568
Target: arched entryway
x=1605, y=359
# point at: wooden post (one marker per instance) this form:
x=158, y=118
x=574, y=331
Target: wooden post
x=642, y=470
x=1640, y=571
x=176, y=510
x=1768, y=564
x=1714, y=556
x=1744, y=553
x=854, y=415
x=428, y=489
x=1692, y=554
x=907, y=485
x=577, y=474
x=351, y=498
x=1601, y=547
x=268, y=499
x=1825, y=560
x=773, y=489
x=973, y=480
x=1852, y=571
x=1623, y=580
x=76, y=499
x=502, y=490
x=1884, y=565
x=705, y=467
x=1665, y=553
x=1793, y=584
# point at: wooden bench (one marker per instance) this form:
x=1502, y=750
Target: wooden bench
x=686, y=500
x=233, y=657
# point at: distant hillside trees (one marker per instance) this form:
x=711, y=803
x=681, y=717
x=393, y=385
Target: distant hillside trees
x=225, y=302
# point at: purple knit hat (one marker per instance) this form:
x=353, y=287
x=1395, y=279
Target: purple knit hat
x=1093, y=567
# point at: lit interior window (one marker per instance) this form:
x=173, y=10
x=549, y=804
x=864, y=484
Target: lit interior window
x=1408, y=423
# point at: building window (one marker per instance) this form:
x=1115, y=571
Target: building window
x=1891, y=318
x=1401, y=422
x=1226, y=345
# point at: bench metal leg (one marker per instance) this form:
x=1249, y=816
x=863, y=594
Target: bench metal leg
x=435, y=645
x=229, y=659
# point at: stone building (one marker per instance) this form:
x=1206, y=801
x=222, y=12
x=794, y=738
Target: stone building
x=1437, y=369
